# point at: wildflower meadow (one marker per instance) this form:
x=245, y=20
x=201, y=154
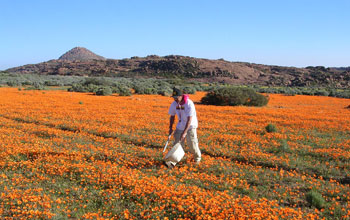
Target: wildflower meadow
x=68, y=155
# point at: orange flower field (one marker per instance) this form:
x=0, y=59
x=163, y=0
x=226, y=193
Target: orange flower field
x=67, y=155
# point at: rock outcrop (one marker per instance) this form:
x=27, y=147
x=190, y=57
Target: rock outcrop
x=82, y=62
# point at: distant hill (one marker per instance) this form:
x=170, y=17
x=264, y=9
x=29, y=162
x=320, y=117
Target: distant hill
x=81, y=54
x=342, y=68
x=82, y=62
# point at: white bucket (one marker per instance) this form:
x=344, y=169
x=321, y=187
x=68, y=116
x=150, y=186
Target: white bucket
x=175, y=154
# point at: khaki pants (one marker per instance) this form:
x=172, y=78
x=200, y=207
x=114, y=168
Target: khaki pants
x=192, y=142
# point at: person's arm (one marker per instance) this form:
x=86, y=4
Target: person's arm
x=171, y=122
x=172, y=113
x=188, y=123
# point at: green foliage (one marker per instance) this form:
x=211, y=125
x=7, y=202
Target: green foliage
x=281, y=149
x=189, y=90
x=36, y=86
x=13, y=79
x=284, y=147
x=322, y=92
x=14, y=83
x=145, y=89
x=84, y=88
x=53, y=83
x=100, y=81
x=315, y=199
x=104, y=91
x=165, y=91
x=151, y=85
x=234, y=96
x=336, y=214
x=123, y=86
x=270, y=128
x=121, y=89
x=124, y=91
x=341, y=93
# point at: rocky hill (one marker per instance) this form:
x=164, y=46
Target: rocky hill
x=80, y=61
x=81, y=54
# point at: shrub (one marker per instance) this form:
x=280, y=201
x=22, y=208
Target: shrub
x=139, y=89
x=36, y=86
x=124, y=91
x=315, y=199
x=84, y=88
x=165, y=91
x=189, y=90
x=77, y=88
x=13, y=83
x=100, y=81
x=150, y=86
x=104, y=91
x=234, y=96
x=322, y=93
x=93, y=88
x=53, y=83
x=284, y=147
x=27, y=83
x=149, y=91
x=271, y=128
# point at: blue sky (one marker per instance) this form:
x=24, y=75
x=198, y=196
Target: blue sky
x=275, y=32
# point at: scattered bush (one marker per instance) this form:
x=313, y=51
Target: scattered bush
x=53, y=83
x=165, y=91
x=150, y=86
x=104, y=91
x=189, y=90
x=341, y=93
x=270, y=128
x=315, y=199
x=99, y=81
x=124, y=92
x=140, y=89
x=36, y=86
x=77, y=88
x=284, y=147
x=234, y=96
x=84, y=88
x=30, y=79
x=14, y=83
x=322, y=93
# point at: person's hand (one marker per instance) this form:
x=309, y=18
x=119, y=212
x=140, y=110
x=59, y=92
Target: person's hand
x=183, y=136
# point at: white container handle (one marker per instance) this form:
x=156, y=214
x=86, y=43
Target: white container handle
x=166, y=144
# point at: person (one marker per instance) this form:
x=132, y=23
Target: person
x=186, y=127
